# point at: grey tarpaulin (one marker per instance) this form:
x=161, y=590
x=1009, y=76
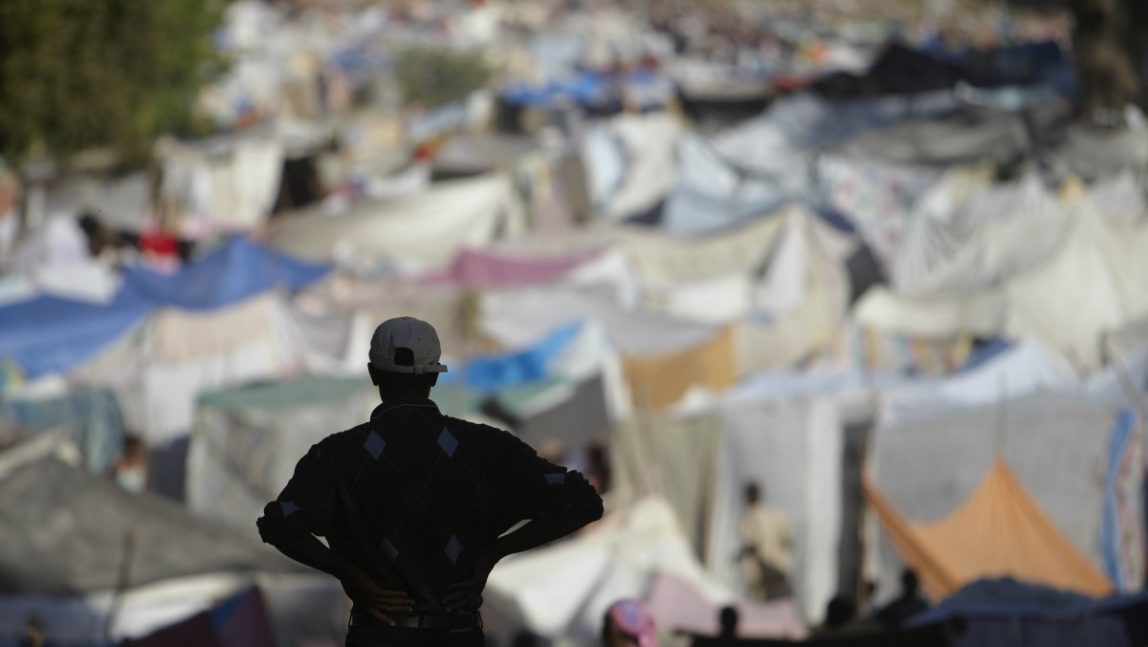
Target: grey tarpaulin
x=65, y=532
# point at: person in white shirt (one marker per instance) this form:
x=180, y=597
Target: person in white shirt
x=766, y=554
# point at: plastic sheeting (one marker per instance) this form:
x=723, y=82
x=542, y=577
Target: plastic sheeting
x=999, y=531
x=67, y=531
x=648, y=142
x=235, y=271
x=700, y=464
x=658, y=381
x=1099, y=273
x=478, y=269
x=92, y=418
x=46, y=334
x=1023, y=369
x=493, y=372
x=1058, y=444
x=663, y=260
x=1003, y=613
x=247, y=441
x=228, y=185
x=574, y=413
x=618, y=557
x=427, y=229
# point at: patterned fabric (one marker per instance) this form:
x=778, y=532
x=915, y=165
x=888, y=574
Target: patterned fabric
x=413, y=496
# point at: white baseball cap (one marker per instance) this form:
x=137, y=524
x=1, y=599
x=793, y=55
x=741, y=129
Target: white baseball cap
x=406, y=345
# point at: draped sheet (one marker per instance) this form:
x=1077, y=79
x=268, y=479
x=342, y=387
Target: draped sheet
x=425, y=230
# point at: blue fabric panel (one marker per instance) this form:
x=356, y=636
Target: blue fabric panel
x=237, y=270
x=49, y=334
x=494, y=372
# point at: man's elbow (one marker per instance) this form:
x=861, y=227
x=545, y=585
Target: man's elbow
x=588, y=507
x=273, y=532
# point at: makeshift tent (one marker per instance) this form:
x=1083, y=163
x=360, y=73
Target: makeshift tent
x=226, y=185
x=622, y=556
x=877, y=198
x=965, y=136
x=646, y=144
x=1005, y=612
x=240, y=620
x=1077, y=456
x=46, y=334
x=427, y=229
x=479, y=269
x=966, y=234
x=701, y=462
x=1024, y=368
x=574, y=413
x=662, y=260
x=1100, y=273
x=236, y=270
x=247, y=440
x=1000, y=531
x=90, y=417
x=658, y=381
x=158, y=371
x=68, y=532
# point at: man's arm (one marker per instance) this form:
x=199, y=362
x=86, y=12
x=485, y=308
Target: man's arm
x=359, y=586
x=303, y=510
x=584, y=506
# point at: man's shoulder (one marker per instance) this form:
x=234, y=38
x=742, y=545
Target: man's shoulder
x=345, y=438
x=474, y=428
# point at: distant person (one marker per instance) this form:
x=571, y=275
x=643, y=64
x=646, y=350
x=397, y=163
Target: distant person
x=414, y=504
x=869, y=598
x=840, y=613
x=133, y=469
x=629, y=624
x=727, y=621
x=525, y=638
x=907, y=604
x=765, y=556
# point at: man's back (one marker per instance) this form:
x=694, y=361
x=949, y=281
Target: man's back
x=417, y=508
x=413, y=496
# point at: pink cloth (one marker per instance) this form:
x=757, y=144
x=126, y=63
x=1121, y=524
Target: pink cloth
x=676, y=604
x=484, y=270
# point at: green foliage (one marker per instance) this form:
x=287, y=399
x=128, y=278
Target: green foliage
x=80, y=74
x=433, y=77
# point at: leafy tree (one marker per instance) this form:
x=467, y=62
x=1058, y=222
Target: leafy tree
x=81, y=74
x=433, y=77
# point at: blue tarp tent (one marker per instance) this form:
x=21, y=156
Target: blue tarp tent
x=48, y=334
x=1006, y=612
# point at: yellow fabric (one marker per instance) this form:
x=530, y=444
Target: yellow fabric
x=1000, y=531
x=659, y=381
x=184, y=335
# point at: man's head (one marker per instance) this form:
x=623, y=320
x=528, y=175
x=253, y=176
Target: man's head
x=909, y=582
x=404, y=358
x=727, y=619
x=753, y=493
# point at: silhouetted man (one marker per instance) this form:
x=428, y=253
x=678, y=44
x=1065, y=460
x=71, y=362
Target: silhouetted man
x=727, y=621
x=909, y=603
x=414, y=504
